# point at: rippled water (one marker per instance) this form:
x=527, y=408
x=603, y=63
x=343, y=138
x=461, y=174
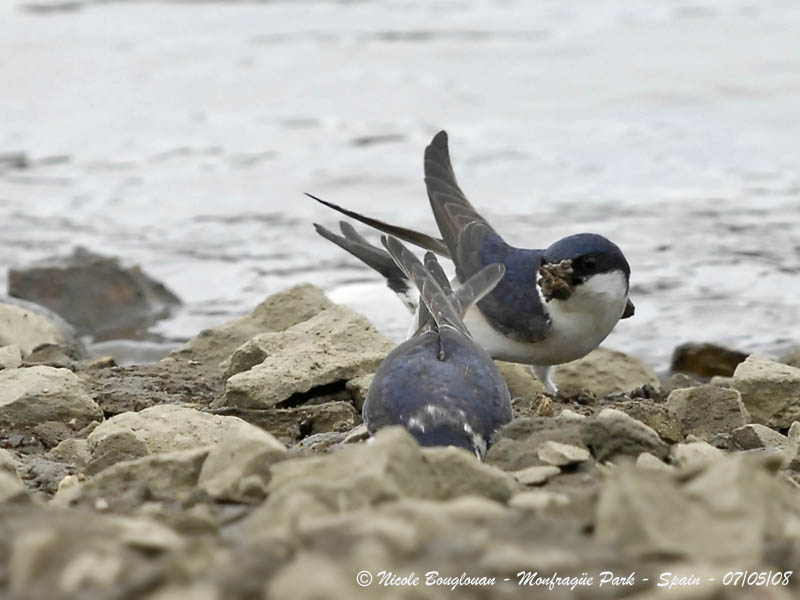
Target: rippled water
x=181, y=137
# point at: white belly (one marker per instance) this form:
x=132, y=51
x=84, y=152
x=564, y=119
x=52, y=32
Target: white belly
x=580, y=324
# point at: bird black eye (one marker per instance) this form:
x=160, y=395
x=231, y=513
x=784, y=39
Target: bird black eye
x=590, y=263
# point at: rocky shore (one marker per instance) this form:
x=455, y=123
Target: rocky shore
x=236, y=468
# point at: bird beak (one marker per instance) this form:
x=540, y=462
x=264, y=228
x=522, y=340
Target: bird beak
x=629, y=310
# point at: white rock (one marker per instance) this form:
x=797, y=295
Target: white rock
x=561, y=455
x=26, y=329
x=37, y=394
x=536, y=475
x=770, y=390
x=537, y=500
x=240, y=456
x=647, y=461
x=337, y=344
x=162, y=429
x=695, y=454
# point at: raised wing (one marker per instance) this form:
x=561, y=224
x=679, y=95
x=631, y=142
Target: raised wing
x=513, y=307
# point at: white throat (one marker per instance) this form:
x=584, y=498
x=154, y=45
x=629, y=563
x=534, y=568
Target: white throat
x=579, y=324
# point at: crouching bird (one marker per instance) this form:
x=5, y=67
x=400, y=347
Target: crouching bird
x=440, y=384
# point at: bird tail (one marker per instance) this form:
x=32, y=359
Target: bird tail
x=445, y=306
x=375, y=258
x=409, y=235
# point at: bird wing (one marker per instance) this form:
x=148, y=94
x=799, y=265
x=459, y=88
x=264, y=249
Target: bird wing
x=513, y=307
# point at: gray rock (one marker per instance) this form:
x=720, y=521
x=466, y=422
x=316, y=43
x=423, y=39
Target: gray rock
x=656, y=416
x=94, y=293
x=33, y=395
x=678, y=381
x=336, y=345
x=612, y=433
x=391, y=466
x=10, y=357
x=723, y=382
x=28, y=325
x=161, y=429
x=707, y=410
x=604, y=372
x=238, y=467
x=291, y=425
x=61, y=553
x=278, y=312
x=535, y=500
x=357, y=434
x=165, y=474
x=693, y=455
x=706, y=360
x=562, y=455
x=71, y=451
x=770, y=391
x=647, y=461
x=723, y=514
x=535, y=475
x=516, y=445
x=755, y=435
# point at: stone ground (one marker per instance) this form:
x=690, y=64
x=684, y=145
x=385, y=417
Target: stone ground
x=236, y=467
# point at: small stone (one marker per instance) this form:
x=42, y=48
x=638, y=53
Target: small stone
x=755, y=435
x=535, y=475
x=695, y=454
x=166, y=474
x=71, y=451
x=34, y=395
x=678, y=381
x=570, y=415
x=68, y=482
x=647, y=461
x=237, y=461
x=561, y=455
x=770, y=391
x=613, y=433
x=517, y=443
x=720, y=381
x=659, y=417
x=161, y=429
x=537, y=500
x=707, y=410
x=545, y=408
x=359, y=433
